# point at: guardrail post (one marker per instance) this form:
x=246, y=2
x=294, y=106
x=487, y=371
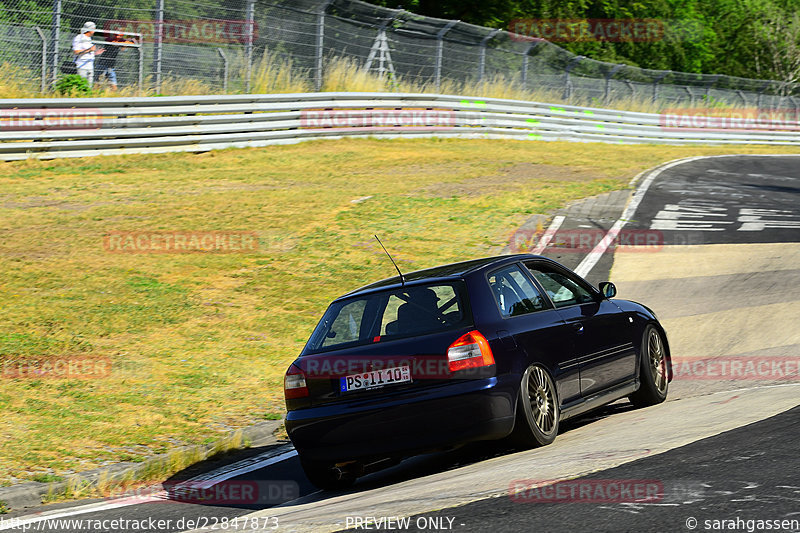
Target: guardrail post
x=158, y=42
x=56, y=35
x=224, y=69
x=482, y=60
x=250, y=15
x=439, y=50
x=610, y=75
x=44, y=56
x=320, y=45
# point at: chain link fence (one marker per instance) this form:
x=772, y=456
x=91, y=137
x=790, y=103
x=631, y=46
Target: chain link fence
x=218, y=42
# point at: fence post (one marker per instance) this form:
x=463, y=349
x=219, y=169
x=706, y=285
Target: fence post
x=610, y=75
x=741, y=95
x=158, y=43
x=249, y=43
x=525, y=58
x=381, y=49
x=708, y=89
x=655, y=84
x=224, y=69
x=439, y=50
x=691, y=95
x=567, y=83
x=56, y=36
x=320, y=45
x=760, y=94
x=482, y=61
x=44, y=56
x=140, y=48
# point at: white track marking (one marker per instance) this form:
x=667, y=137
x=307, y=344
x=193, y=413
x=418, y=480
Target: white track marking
x=207, y=479
x=594, y=256
x=548, y=235
x=597, y=252
x=23, y=521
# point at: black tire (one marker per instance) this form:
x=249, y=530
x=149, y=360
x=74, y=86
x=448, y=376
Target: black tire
x=323, y=475
x=653, y=382
x=537, y=409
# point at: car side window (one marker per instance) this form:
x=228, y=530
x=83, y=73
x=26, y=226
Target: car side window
x=563, y=290
x=347, y=326
x=514, y=293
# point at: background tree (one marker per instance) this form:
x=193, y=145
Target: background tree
x=751, y=38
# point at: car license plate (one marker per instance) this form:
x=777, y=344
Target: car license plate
x=375, y=378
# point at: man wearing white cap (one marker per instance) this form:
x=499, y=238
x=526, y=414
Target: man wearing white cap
x=85, y=52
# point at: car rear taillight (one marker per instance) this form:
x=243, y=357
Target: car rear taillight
x=471, y=350
x=294, y=383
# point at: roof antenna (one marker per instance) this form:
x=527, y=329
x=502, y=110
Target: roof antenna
x=402, y=279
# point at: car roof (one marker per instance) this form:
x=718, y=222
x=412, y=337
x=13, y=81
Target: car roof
x=443, y=273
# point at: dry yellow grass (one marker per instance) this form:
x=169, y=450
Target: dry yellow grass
x=199, y=342
x=271, y=74
x=14, y=83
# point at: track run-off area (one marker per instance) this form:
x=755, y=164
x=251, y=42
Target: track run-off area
x=719, y=264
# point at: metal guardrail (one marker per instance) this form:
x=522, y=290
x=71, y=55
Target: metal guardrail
x=79, y=127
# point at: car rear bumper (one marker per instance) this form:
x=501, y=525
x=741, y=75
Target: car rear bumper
x=412, y=422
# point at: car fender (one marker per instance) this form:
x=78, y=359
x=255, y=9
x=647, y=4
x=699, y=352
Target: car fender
x=642, y=316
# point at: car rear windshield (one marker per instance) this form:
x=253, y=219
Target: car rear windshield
x=394, y=314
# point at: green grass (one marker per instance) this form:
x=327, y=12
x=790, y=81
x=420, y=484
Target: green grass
x=199, y=342
x=46, y=478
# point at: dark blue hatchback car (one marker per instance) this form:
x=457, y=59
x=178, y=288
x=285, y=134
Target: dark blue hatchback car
x=486, y=349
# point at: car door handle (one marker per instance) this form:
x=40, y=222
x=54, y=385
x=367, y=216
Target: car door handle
x=578, y=327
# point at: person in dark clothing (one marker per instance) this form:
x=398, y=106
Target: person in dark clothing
x=107, y=63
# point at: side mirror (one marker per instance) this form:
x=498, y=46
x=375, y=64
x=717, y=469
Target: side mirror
x=608, y=289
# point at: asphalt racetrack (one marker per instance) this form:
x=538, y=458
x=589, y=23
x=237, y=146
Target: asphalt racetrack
x=719, y=264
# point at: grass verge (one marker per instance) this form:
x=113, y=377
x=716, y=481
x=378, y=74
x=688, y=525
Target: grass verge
x=197, y=343
x=155, y=470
